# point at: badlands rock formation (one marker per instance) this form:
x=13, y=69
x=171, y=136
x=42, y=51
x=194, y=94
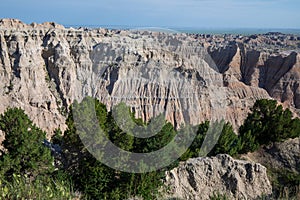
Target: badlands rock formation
x=200, y=178
x=269, y=61
x=285, y=155
x=192, y=78
x=45, y=67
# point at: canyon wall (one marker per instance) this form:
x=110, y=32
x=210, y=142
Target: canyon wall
x=45, y=67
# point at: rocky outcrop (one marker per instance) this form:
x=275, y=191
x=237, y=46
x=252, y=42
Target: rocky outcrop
x=19, y=25
x=284, y=155
x=201, y=178
x=44, y=68
x=268, y=61
x=192, y=78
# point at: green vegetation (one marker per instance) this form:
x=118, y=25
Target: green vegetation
x=27, y=169
x=285, y=183
x=228, y=142
x=10, y=87
x=218, y=196
x=94, y=179
x=25, y=153
x=20, y=187
x=267, y=123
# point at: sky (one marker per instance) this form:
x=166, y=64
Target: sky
x=158, y=13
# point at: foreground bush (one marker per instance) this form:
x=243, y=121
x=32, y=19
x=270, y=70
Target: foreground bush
x=26, y=167
x=26, y=154
x=21, y=187
x=285, y=183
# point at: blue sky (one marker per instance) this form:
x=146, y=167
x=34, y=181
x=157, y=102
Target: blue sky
x=162, y=13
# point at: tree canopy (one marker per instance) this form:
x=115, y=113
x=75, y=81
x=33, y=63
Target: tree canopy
x=25, y=153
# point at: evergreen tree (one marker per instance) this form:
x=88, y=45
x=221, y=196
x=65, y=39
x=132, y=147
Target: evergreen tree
x=194, y=150
x=96, y=180
x=228, y=142
x=267, y=123
x=248, y=142
x=26, y=154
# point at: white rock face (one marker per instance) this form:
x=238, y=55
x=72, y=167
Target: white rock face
x=201, y=178
x=44, y=68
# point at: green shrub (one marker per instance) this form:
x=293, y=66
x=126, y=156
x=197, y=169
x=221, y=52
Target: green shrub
x=218, y=196
x=285, y=183
x=194, y=150
x=228, y=142
x=26, y=168
x=20, y=187
x=26, y=154
x=267, y=123
x=248, y=142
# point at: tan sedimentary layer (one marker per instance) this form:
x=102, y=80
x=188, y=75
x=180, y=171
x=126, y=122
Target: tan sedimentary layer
x=45, y=67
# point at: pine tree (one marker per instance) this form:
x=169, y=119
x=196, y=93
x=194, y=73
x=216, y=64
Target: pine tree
x=228, y=142
x=26, y=154
x=267, y=123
